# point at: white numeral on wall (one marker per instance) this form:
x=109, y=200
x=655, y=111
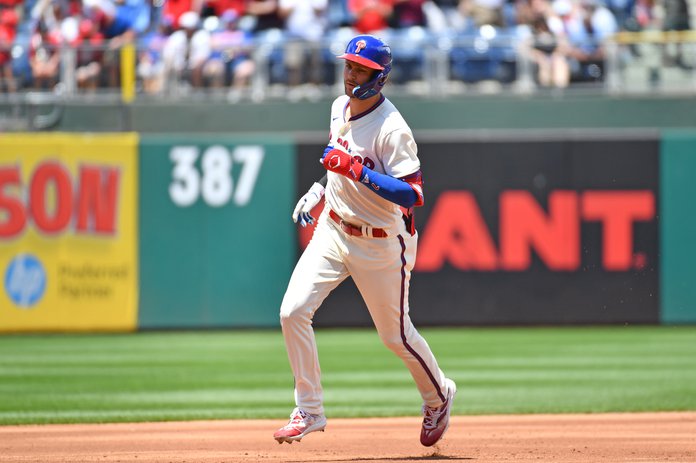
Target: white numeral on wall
x=185, y=178
x=214, y=183
x=251, y=157
x=217, y=182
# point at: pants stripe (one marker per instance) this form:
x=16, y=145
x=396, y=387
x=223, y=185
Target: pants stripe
x=403, y=332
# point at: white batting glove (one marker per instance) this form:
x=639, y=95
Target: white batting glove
x=306, y=204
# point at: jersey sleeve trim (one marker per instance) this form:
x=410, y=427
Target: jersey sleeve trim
x=415, y=181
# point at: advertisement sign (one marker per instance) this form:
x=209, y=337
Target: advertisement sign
x=216, y=237
x=528, y=232
x=68, y=232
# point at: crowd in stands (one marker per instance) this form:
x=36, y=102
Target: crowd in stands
x=212, y=43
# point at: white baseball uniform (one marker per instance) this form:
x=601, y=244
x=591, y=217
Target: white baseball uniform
x=379, y=265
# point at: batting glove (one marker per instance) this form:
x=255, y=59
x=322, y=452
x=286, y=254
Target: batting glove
x=328, y=148
x=343, y=163
x=306, y=204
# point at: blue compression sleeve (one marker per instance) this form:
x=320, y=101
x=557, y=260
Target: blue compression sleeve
x=390, y=188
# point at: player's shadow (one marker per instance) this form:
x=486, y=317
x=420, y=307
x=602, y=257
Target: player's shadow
x=432, y=457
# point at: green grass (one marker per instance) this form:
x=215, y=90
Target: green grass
x=245, y=374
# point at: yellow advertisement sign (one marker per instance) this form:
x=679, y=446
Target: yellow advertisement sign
x=68, y=232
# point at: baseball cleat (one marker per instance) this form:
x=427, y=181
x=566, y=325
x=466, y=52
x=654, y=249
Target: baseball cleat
x=301, y=423
x=436, y=420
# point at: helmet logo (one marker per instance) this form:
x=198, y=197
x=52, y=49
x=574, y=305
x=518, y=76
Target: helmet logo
x=359, y=45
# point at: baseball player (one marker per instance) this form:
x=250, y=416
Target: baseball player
x=366, y=230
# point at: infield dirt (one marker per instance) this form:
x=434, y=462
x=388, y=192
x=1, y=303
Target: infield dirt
x=637, y=437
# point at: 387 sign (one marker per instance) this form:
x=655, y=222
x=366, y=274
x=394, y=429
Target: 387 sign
x=196, y=192
x=207, y=174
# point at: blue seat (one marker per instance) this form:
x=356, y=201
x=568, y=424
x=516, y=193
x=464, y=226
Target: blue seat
x=475, y=58
x=409, y=48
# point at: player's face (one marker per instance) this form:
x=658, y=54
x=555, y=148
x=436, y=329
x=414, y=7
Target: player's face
x=355, y=74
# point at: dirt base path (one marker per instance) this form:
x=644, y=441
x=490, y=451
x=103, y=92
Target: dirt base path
x=641, y=437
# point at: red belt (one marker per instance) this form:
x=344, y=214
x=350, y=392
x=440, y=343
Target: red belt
x=354, y=230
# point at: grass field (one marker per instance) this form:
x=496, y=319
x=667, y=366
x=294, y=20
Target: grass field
x=245, y=374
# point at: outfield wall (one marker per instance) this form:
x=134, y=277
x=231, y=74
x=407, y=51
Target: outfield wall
x=544, y=110
x=532, y=230
x=519, y=228
x=678, y=227
x=216, y=243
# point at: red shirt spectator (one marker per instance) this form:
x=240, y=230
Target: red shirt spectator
x=8, y=31
x=173, y=9
x=408, y=13
x=90, y=42
x=220, y=6
x=370, y=15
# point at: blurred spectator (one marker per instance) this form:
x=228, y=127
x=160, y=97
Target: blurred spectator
x=527, y=11
x=230, y=59
x=305, y=24
x=643, y=16
x=585, y=27
x=220, y=7
x=371, y=16
x=44, y=57
x=49, y=14
x=552, y=66
x=121, y=22
x=186, y=51
x=338, y=14
x=622, y=11
x=265, y=14
x=74, y=7
x=8, y=31
x=407, y=13
x=676, y=15
x=90, y=53
x=150, y=61
x=599, y=20
x=444, y=15
x=173, y=9
x=676, y=19
x=484, y=12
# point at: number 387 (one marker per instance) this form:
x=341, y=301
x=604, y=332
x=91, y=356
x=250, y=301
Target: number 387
x=214, y=183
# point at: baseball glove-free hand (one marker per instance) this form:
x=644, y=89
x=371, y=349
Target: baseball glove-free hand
x=306, y=203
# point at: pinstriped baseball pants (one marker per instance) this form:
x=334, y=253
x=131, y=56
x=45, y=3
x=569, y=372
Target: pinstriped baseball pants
x=381, y=269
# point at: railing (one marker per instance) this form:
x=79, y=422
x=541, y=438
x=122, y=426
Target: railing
x=489, y=61
x=651, y=61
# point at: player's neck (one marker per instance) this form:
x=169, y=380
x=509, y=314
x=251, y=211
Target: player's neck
x=358, y=106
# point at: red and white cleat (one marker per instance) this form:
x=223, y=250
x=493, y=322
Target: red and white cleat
x=436, y=420
x=301, y=423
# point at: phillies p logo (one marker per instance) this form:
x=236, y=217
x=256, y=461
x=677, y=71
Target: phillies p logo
x=360, y=44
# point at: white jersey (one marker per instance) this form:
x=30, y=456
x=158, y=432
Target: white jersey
x=382, y=140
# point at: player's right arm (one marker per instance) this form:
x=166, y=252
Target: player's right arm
x=310, y=199
x=307, y=202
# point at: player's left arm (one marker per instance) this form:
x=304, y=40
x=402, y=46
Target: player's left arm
x=406, y=191
x=402, y=182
